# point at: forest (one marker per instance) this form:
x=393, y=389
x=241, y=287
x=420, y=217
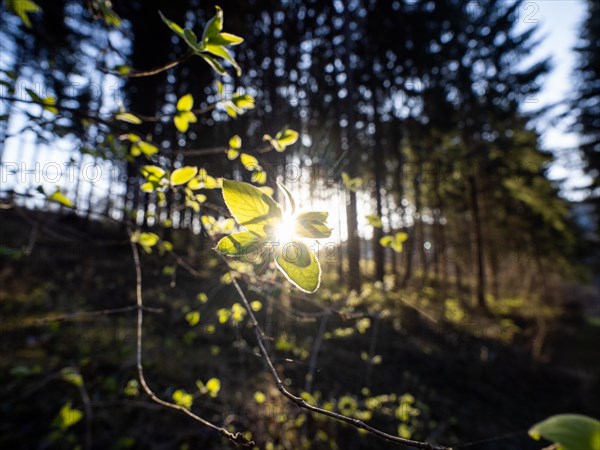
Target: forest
x=279, y=224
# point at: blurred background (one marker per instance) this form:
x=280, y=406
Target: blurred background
x=468, y=131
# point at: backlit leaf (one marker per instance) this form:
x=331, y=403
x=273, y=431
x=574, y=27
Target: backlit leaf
x=287, y=137
x=240, y=244
x=312, y=225
x=235, y=142
x=251, y=207
x=570, y=431
x=183, y=175
x=61, y=198
x=249, y=162
x=185, y=103
x=129, y=118
x=299, y=265
x=172, y=25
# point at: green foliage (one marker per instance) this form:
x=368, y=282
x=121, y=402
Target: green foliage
x=129, y=118
x=72, y=376
x=103, y=8
x=193, y=318
x=312, y=225
x=145, y=240
x=352, y=184
x=139, y=146
x=212, y=387
x=264, y=221
x=184, y=115
x=67, y=417
x=374, y=220
x=282, y=139
x=23, y=8
x=183, y=175
x=235, y=143
x=570, y=431
x=395, y=241
x=214, y=42
x=132, y=388
x=182, y=398
x=58, y=197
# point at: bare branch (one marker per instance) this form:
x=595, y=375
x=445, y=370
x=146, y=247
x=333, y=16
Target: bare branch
x=236, y=438
x=300, y=402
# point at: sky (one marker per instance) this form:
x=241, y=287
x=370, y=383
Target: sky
x=559, y=25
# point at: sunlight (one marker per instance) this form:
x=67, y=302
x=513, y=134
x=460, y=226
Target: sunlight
x=286, y=229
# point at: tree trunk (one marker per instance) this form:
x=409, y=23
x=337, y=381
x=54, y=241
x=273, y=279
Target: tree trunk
x=478, y=238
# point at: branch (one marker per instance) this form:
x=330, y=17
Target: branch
x=156, y=70
x=85, y=314
x=236, y=438
x=300, y=402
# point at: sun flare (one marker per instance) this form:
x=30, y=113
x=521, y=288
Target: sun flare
x=286, y=228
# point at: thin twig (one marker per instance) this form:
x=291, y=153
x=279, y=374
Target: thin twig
x=101, y=312
x=87, y=405
x=156, y=70
x=300, y=402
x=312, y=366
x=237, y=438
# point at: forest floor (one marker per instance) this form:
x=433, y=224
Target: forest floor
x=403, y=360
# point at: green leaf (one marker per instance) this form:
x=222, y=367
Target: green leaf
x=299, y=265
x=138, y=147
x=183, y=119
x=287, y=137
x=235, y=142
x=110, y=17
x=152, y=173
x=351, y=184
x=273, y=142
x=67, y=416
x=213, y=386
x=61, y=198
x=394, y=241
x=185, y=103
x=49, y=104
x=214, y=25
x=129, y=118
x=214, y=63
x=148, y=239
x=70, y=375
x=193, y=318
x=243, y=101
x=222, y=52
x=386, y=241
x=172, y=25
x=312, y=225
x=570, y=431
x=231, y=110
x=190, y=37
x=289, y=199
x=259, y=176
x=183, y=175
x=21, y=8
x=399, y=238
x=374, y=220
x=240, y=244
x=249, y=162
x=226, y=39
x=251, y=207
x=148, y=187
x=182, y=398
